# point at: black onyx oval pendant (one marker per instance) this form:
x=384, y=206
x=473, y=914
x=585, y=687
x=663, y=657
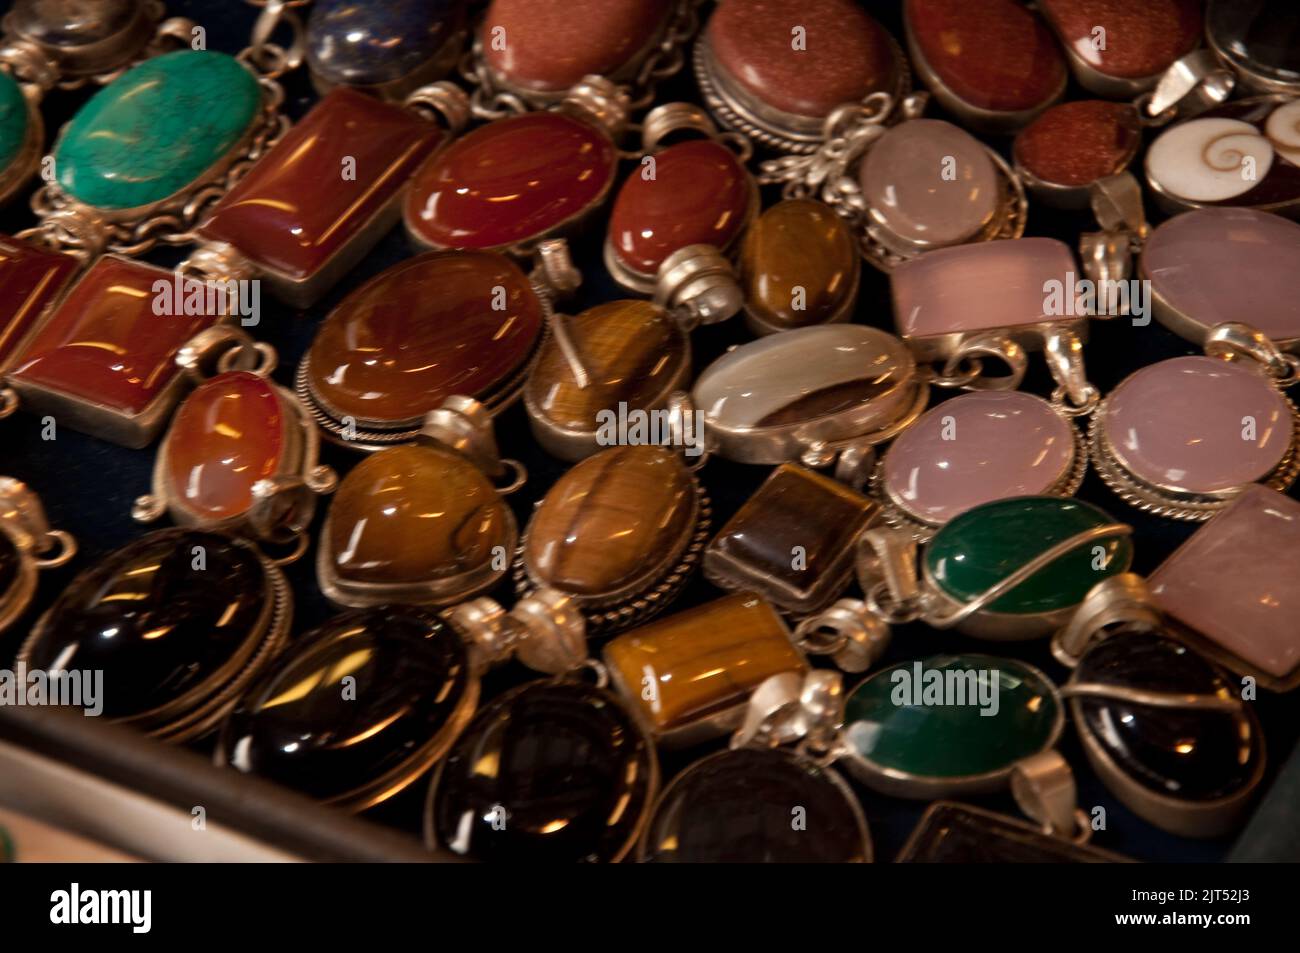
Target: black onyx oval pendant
x=1190, y=763
x=178, y=622
x=554, y=771
x=757, y=805
x=357, y=710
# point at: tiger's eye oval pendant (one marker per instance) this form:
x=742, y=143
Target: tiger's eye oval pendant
x=1072, y=145
x=414, y=690
x=414, y=524
x=179, y=621
x=437, y=325
x=27, y=545
x=619, y=533
x=573, y=777
x=1188, y=768
x=736, y=807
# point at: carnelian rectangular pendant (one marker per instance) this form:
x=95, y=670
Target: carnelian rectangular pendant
x=30, y=281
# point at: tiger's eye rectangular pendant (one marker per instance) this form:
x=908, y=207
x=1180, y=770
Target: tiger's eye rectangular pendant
x=104, y=359
x=792, y=541
x=320, y=199
x=30, y=281
x=689, y=676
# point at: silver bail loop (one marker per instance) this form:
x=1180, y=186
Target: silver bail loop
x=849, y=632
x=792, y=707
x=697, y=285
x=21, y=511
x=1236, y=340
x=444, y=101
x=600, y=101
x=1119, y=599
x=544, y=631
x=886, y=567
x=1044, y=789
x=1116, y=203
x=1191, y=85
x=464, y=425
x=1064, y=352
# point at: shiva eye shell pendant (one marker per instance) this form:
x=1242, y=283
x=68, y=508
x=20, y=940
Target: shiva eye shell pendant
x=240, y=457
x=1166, y=730
x=423, y=523
x=777, y=73
x=27, y=546
x=528, y=53
x=178, y=622
x=620, y=533
x=1183, y=437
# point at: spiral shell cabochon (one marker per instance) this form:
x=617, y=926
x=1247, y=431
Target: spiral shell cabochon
x=1246, y=153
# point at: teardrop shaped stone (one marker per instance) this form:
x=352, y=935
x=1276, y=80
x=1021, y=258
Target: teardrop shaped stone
x=421, y=331
x=373, y=44
x=984, y=545
x=160, y=617
x=228, y=434
x=552, y=772
x=156, y=129
x=631, y=351
x=991, y=54
x=511, y=181
x=736, y=807
x=1141, y=40
x=1176, y=752
x=910, y=718
x=300, y=725
x=808, y=373
x=414, y=514
x=610, y=520
x=1076, y=143
x=552, y=44
x=798, y=244
x=13, y=121
x=700, y=195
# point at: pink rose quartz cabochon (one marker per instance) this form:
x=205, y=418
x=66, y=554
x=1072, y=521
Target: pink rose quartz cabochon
x=981, y=287
x=976, y=448
x=1236, y=581
x=1179, y=425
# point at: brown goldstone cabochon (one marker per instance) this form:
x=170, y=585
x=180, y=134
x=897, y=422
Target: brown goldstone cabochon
x=1141, y=39
x=1077, y=143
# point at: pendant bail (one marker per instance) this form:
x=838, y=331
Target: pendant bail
x=222, y=348
x=1191, y=85
x=1063, y=349
x=442, y=101
x=1043, y=787
x=1236, y=340
x=1116, y=203
x=849, y=632
x=601, y=102
x=1119, y=599
x=464, y=426
x=793, y=707
x=544, y=631
x=697, y=285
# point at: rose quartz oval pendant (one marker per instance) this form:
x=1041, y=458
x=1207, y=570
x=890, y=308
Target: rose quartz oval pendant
x=700, y=194
x=1074, y=144
x=511, y=182
x=991, y=62
x=977, y=448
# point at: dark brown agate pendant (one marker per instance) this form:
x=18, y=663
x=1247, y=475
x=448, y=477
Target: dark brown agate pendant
x=178, y=621
x=27, y=546
x=952, y=833
x=619, y=533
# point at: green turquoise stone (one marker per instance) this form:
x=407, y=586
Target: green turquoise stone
x=984, y=545
x=156, y=129
x=13, y=120
x=901, y=719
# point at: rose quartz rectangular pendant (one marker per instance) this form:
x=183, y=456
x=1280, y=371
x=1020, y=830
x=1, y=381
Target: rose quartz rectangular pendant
x=1236, y=585
x=104, y=360
x=30, y=281
x=1016, y=285
x=320, y=199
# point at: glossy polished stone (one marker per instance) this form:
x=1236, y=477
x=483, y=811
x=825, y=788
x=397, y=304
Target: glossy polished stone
x=1236, y=581
x=610, y=520
x=31, y=279
x=700, y=195
x=699, y=663
x=976, y=448
x=559, y=767
x=737, y=807
x=905, y=180
x=157, y=626
x=420, y=332
x=1141, y=40
x=799, y=265
x=1219, y=264
x=104, y=344
x=980, y=287
x=847, y=55
x=510, y=181
x=10, y=562
x=72, y=23
x=227, y=435
x=1076, y=143
x=806, y=374
x=354, y=43
x=956, y=834
x=1258, y=37
x=631, y=351
x=992, y=54
x=1180, y=753
x=156, y=129
x=294, y=210
x=549, y=45
x=1180, y=424
x=793, y=540
x=301, y=725
x=984, y=545
x=13, y=121
x=413, y=514
x=951, y=738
